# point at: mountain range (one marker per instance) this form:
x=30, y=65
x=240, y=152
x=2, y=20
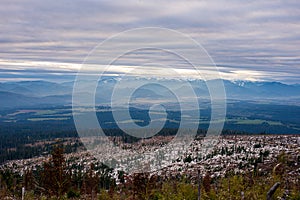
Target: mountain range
x=42, y=93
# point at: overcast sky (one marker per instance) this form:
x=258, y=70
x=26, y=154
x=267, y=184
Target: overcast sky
x=248, y=40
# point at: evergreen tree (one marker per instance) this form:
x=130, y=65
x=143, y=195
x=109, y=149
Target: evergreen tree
x=55, y=177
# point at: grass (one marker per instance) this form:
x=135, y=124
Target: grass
x=46, y=119
x=257, y=121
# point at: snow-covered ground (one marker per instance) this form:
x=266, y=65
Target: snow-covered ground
x=237, y=154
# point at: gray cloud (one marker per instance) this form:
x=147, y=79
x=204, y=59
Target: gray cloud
x=260, y=36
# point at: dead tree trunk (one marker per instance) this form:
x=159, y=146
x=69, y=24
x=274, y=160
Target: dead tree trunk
x=272, y=191
x=199, y=185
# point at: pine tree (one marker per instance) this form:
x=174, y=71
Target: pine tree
x=55, y=177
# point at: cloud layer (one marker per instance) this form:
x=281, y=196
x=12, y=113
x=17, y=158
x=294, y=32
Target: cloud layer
x=253, y=40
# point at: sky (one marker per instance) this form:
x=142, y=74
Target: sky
x=247, y=40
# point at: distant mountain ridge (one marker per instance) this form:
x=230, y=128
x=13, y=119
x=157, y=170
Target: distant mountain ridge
x=13, y=100
x=34, y=88
x=35, y=93
x=261, y=89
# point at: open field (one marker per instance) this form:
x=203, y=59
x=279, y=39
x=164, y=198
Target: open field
x=241, y=116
